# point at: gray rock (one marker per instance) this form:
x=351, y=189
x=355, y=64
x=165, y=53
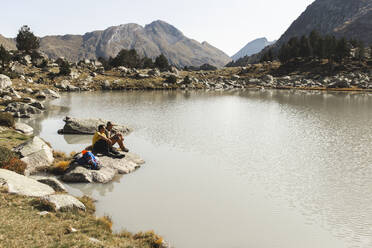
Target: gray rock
x=22, y=109
x=141, y=76
x=21, y=185
x=83, y=175
x=51, y=93
x=5, y=82
x=31, y=146
x=52, y=182
x=154, y=72
x=27, y=59
x=87, y=126
x=37, y=105
x=38, y=161
x=18, y=68
x=110, y=168
x=64, y=202
x=24, y=128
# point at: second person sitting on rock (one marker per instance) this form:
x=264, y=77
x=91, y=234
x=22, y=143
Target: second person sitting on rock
x=103, y=145
x=115, y=136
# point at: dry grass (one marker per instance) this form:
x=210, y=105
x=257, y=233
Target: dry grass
x=105, y=222
x=21, y=225
x=14, y=164
x=61, y=162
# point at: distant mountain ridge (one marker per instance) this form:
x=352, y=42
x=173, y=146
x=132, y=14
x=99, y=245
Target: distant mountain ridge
x=151, y=40
x=351, y=19
x=252, y=47
x=342, y=18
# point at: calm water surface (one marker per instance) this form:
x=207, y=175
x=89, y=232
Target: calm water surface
x=256, y=169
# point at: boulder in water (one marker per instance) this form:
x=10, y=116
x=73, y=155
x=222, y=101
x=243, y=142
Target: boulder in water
x=87, y=126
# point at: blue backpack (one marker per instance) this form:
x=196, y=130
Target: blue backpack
x=89, y=159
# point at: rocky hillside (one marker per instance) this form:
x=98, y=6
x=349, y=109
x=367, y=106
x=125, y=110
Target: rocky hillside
x=8, y=43
x=252, y=47
x=151, y=40
x=352, y=19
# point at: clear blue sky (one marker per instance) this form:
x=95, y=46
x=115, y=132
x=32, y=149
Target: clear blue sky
x=226, y=24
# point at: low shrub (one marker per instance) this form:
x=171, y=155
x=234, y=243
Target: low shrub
x=6, y=154
x=105, y=222
x=171, y=79
x=151, y=238
x=6, y=119
x=59, y=167
x=10, y=161
x=89, y=204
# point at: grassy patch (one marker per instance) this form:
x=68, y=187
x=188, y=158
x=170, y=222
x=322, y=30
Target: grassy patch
x=21, y=225
x=9, y=138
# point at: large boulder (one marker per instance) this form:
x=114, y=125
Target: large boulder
x=21, y=185
x=5, y=82
x=84, y=175
x=64, y=202
x=87, y=126
x=36, y=154
x=110, y=168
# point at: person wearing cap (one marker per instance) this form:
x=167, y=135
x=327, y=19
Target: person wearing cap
x=115, y=137
x=103, y=145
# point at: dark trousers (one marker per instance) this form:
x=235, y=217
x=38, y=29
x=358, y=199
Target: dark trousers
x=101, y=146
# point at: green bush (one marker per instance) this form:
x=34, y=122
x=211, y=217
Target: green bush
x=171, y=79
x=6, y=119
x=64, y=68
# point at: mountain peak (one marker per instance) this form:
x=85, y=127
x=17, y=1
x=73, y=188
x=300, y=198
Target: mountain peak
x=254, y=46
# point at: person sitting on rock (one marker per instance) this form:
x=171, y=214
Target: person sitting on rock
x=103, y=145
x=115, y=137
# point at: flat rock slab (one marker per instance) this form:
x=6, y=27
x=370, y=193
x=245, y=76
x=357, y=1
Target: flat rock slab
x=34, y=145
x=84, y=175
x=21, y=185
x=24, y=128
x=88, y=126
x=64, y=202
x=52, y=182
x=111, y=167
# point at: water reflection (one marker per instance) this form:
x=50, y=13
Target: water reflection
x=216, y=154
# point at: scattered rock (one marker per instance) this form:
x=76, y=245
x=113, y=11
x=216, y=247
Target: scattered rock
x=87, y=126
x=5, y=82
x=51, y=93
x=64, y=202
x=24, y=128
x=22, y=110
x=21, y=185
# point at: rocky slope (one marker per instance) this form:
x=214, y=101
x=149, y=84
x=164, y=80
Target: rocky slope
x=352, y=19
x=151, y=40
x=252, y=47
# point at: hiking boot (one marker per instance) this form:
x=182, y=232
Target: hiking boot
x=114, y=155
x=114, y=151
x=124, y=149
